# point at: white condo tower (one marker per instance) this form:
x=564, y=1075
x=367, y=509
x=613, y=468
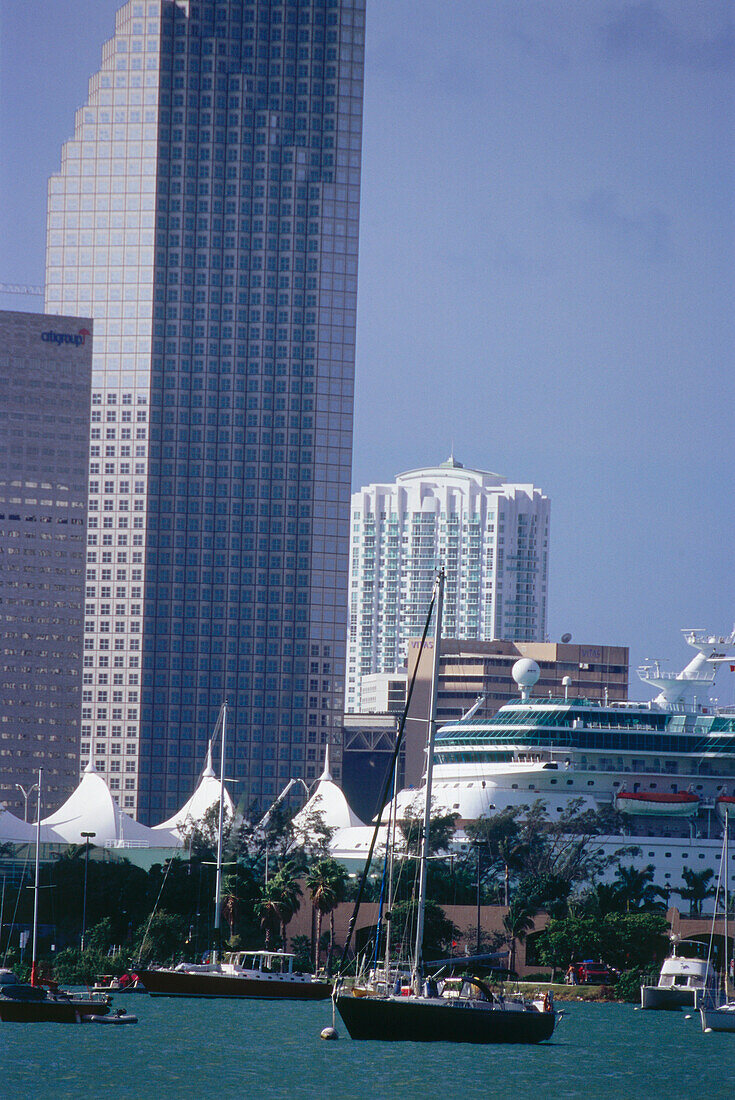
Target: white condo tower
x=490, y=535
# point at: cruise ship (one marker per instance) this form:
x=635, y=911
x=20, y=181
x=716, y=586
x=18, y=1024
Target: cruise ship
x=664, y=770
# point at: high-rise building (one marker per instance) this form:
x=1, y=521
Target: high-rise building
x=45, y=375
x=206, y=216
x=491, y=536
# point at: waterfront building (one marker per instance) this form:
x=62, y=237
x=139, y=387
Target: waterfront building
x=491, y=536
x=45, y=374
x=206, y=215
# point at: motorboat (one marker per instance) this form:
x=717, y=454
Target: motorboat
x=118, y=983
x=682, y=983
x=261, y=974
x=22, y=1003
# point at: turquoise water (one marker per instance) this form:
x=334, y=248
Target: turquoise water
x=256, y=1049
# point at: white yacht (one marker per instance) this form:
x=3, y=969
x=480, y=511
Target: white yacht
x=664, y=769
x=682, y=983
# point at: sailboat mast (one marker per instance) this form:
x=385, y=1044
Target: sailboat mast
x=418, y=952
x=727, y=953
x=34, y=958
x=220, y=828
x=391, y=841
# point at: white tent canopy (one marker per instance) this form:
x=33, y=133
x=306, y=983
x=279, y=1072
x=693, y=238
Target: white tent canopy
x=329, y=801
x=15, y=831
x=92, y=809
x=193, y=811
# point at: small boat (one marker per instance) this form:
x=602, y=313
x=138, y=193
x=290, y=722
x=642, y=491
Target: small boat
x=258, y=974
x=657, y=803
x=21, y=1003
x=428, y=1010
x=120, y=1016
x=682, y=983
x=725, y=804
x=123, y=983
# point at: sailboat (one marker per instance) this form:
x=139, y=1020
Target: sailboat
x=257, y=973
x=721, y=1017
x=424, y=1011
x=34, y=1003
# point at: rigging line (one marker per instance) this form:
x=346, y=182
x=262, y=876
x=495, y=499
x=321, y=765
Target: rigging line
x=17, y=903
x=153, y=913
x=386, y=787
x=387, y=879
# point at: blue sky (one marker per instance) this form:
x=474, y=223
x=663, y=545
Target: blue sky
x=546, y=271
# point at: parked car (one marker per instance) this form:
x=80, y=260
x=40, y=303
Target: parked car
x=594, y=973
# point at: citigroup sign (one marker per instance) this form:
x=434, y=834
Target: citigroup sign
x=75, y=338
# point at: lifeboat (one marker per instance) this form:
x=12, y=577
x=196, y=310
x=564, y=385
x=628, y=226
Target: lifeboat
x=654, y=803
x=726, y=804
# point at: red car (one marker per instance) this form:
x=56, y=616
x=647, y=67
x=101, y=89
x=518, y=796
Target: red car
x=593, y=973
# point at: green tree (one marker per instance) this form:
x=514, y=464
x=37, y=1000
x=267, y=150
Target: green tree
x=326, y=881
x=549, y=892
x=601, y=899
x=517, y=922
x=279, y=901
x=301, y=947
x=625, y=941
x=160, y=938
x=289, y=892
x=439, y=931
x=441, y=830
x=697, y=888
x=637, y=888
x=503, y=849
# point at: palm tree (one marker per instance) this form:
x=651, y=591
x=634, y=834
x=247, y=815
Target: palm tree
x=516, y=922
x=231, y=901
x=289, y=893
x=637, y=888
x=696, y=888
x=603, y=898
x=327, y=883
x=278, y=902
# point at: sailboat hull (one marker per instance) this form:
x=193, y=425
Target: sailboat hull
x=718, y=1019
x=428, y=1020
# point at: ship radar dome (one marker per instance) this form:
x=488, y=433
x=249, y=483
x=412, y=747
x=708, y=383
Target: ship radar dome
x=525, y=673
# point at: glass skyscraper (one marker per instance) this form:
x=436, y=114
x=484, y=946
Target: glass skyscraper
x=206, y=216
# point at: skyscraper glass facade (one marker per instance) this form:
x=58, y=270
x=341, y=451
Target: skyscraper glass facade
x=206, y=216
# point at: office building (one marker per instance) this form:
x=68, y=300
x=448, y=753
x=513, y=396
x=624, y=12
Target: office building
x=492, y=538
x=206, y=215
x=45, y=374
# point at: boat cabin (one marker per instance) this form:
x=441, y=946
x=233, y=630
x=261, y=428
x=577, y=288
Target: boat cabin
x=271, y=962
x=681, y=973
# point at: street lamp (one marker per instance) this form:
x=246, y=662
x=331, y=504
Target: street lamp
x=26, y=795
x=87, y=838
